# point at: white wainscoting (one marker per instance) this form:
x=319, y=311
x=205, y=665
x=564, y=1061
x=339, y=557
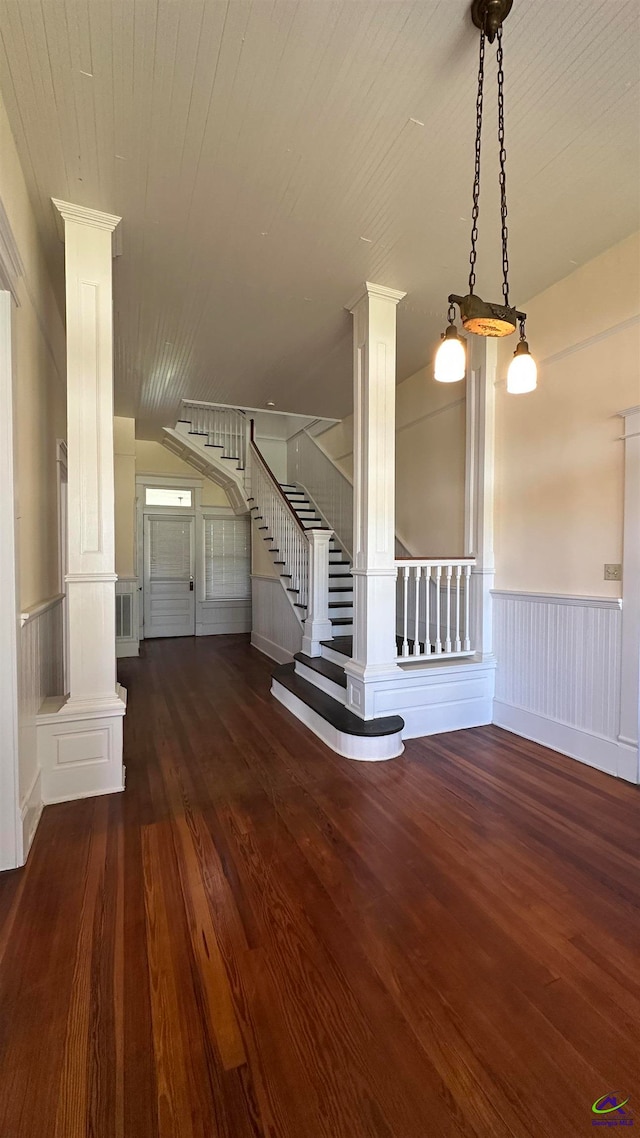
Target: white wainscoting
x=276, y=630
x=214, y=618
x=127, y=617
x=41, y=674
x=558, y=673
x=309, y=466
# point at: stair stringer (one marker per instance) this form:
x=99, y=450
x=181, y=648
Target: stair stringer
x=256, y=535
x=192, y=451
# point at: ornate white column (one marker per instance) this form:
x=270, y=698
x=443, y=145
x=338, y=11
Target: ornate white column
x=82, y=738
x=317, y=626
x=628, y=766
x=479, y=490
x=374, y=481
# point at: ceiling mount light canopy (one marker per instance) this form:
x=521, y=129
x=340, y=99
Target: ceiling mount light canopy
x=481, y=317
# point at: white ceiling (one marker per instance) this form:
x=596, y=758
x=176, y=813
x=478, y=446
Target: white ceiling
x=264, y=158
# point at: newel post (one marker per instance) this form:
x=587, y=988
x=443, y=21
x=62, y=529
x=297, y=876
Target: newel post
x=317, y=626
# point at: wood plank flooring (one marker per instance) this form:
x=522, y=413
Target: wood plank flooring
x=259, y=939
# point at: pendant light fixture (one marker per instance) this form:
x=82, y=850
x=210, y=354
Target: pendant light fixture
x=485, y=318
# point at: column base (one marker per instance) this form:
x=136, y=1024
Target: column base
x=315, y=631
x=361, y=685
x=80, y=747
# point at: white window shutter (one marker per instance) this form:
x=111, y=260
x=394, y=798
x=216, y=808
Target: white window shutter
x=227, y=557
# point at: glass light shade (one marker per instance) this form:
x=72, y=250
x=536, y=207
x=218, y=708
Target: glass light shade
x=522, y=375
x=451, y=360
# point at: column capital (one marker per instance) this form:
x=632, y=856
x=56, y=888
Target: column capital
x=368, y=289
x=92, y=218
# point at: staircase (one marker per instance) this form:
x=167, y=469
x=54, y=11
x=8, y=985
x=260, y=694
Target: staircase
x=433, y=678
x=314, y=688
x=340, y=583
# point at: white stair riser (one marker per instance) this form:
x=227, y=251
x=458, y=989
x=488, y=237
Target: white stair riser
x=345, y=598
x=336, y=691
x=344, y=610
x=335, y=657
x=374, y=750
x=342, y=629
x=336, y=567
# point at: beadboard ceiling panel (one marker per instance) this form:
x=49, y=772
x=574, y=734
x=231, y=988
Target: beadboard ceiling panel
x=267, y=157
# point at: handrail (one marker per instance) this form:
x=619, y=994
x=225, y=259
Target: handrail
x=432, y=562
x=273, y=478
x=203, y=404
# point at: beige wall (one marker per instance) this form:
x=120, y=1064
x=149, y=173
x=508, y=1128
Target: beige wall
x=153, y=458
x=559, y=461
x=40, y=389
x=124, y=459
x=430, y=463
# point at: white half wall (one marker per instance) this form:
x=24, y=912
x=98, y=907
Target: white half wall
x=558, y=674
x=276, y=630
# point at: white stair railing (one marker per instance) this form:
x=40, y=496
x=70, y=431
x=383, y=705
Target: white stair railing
x=433, y=608
x=224, y=427
x=328, y=487
x=283, y=525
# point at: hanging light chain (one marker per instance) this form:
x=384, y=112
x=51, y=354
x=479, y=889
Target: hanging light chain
x=503, y=170
x=476, y=176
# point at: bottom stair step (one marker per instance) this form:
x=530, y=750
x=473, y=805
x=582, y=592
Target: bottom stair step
x=367, y=739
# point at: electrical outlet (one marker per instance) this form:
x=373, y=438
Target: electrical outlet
x=613, y=572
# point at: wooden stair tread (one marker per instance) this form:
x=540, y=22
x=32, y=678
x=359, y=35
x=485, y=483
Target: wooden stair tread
x=341, y=644
x=332, y=711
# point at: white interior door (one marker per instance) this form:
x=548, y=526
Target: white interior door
x=169, y=595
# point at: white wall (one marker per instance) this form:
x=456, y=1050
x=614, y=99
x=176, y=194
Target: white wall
x=274, y=451
x=430, y=463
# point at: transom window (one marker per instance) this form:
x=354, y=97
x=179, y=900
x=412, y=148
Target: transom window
x=168, y=496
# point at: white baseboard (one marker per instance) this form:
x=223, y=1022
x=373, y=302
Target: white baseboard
x=458, y=715
x=30, y=813
x=594, y=750
x=127, y=648
x=273, y=651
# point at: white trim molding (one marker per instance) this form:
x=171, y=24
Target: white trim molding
x=12, y=852
x=40, y=609
x=11, y=267
x=630, y=647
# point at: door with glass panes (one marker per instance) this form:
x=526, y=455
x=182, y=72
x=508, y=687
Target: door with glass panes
x=169, y=559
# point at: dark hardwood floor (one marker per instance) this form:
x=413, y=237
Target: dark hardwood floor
x=260, y=938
